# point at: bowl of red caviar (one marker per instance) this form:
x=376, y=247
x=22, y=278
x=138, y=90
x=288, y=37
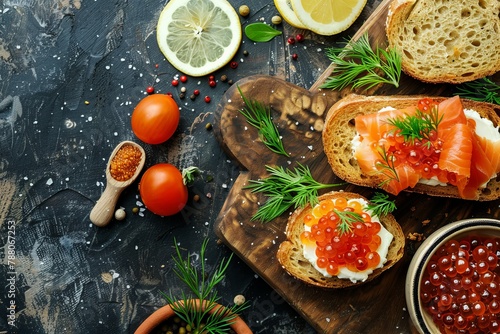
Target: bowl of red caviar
x=453, y=281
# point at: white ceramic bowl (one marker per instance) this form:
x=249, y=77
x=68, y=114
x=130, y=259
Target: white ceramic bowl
x=457, y=230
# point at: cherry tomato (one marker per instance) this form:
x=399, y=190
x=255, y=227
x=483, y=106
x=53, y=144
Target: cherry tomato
x=155, y=118
x=162, y=189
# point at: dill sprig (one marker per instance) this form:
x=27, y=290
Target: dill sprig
x=286, y=188
x=358, y=64
x=380, y=205
x=202, y=287
x=259, y=116
x=418, y=126
x=482, y=90
x=387, y=166
x=347, y=218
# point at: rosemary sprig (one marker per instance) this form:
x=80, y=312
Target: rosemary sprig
x=483, y=90
x=210, y=320
x=359, y=65
x=418, y=126
x=286, y=188
x=380, y=205
x=259, y=116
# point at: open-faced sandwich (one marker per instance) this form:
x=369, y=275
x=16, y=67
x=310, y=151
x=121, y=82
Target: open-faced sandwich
x=340, y=242
x=437, y=146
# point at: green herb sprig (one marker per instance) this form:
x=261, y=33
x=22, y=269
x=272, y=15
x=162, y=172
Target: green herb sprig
x=347, y=218
x=261, y=32
x=202, y=287
x=286, y=188
x=359, y=65
x=482, y=90
x=418, y=126
x=386, y=167
x=380, y=205
x=259, y=116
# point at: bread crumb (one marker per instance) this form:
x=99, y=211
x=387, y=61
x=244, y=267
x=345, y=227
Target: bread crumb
x=426, y=222
x=414, y=236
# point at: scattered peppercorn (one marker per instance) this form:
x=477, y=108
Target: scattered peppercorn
x=208, y=126
x=182, y=96
x=223, y=78
x=183, y=89
x=295, y=56
x=212, y=83
x=233, y=64
x=196, y=92
x=135, y=210
x=299, y=38
x=125, y=162
x=291, y=40
x=192, y=97
x=183, y=78
x=230, y=82
x=156, y=65
x=244, y=10
x=211, y=78
x=276, y=19
x=196, y=198
x=207, y=99
x=150, y=90
x=169, y=94
x=245, y=53
x=120, y=214
x=239, y=299
x=175, y=82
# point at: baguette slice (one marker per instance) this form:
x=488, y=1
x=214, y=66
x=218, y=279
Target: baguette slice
x=340, y=129
x=446, y=41
x=295, y=264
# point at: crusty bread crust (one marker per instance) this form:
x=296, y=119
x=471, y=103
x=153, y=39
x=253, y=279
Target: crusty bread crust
x=290, y=251
x=340, y=129
x=446, y=41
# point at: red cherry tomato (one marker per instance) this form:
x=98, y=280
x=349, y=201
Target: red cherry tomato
x=155, y=118
x=162, y=189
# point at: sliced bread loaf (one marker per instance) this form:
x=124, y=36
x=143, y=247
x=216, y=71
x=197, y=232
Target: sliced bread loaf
x=446, y=41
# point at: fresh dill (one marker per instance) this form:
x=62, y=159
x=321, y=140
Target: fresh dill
x=380, y=205
x=347, y=218
x=259, y=116
x=386, y=167
x=286, y=188
x=358, y=64
x=418, y=126
x=482, y=90
x=213, y=318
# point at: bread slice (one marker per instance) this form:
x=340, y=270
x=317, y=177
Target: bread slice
x=290, y=251
x=339, y=130
x=446, y=41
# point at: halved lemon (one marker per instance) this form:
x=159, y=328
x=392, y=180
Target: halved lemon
x=327, y=17
x=198, y=36
x=285, y=9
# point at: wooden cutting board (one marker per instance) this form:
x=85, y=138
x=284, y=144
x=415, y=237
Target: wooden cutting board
x=376, y=307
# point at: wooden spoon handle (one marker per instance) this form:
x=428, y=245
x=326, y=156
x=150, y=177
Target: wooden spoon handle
x=104, y=208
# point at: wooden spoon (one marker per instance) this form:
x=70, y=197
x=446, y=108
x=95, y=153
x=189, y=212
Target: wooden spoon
x=104, y=208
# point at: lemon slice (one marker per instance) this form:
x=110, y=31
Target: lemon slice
x=327, y=17
x=198, y=36
x=285, y=9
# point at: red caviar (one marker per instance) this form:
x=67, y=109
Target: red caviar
x=460, y=287
x=355, y=249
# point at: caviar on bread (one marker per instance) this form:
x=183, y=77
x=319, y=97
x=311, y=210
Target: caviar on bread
x=339, y=242
x=437, y=146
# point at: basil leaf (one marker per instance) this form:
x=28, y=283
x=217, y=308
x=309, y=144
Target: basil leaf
x=261, y=32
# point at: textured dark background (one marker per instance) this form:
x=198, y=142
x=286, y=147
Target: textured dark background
x=72, y=277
